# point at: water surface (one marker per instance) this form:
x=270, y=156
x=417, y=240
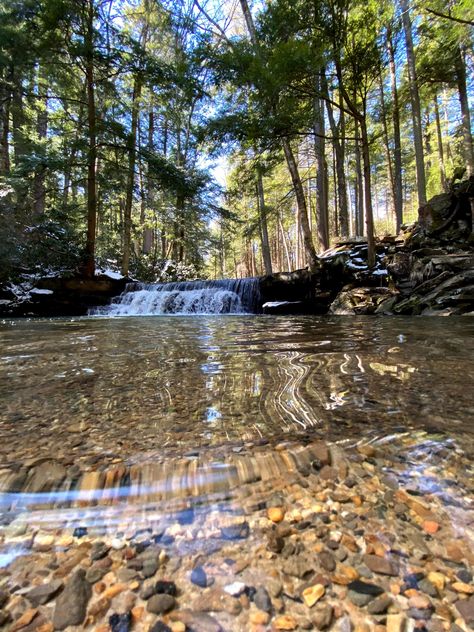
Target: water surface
x=134, y=384
x=149, y=410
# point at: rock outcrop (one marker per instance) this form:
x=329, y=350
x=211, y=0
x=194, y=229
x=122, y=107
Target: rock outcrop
x=430, y=270
x=60, y=295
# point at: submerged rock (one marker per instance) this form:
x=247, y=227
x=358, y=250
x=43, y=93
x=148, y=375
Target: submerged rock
x=71, y=605
x=42, y=594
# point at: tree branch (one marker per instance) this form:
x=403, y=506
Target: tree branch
x=449, y=17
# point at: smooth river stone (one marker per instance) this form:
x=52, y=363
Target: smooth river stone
x=381, y=565
x=42, y=594
x=71, y=605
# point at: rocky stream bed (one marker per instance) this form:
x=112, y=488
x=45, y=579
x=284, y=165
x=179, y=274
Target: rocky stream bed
x=293, y=536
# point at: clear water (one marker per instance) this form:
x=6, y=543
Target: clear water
x=115, y=414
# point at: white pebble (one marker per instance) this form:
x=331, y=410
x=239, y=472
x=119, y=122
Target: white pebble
x=235, y=589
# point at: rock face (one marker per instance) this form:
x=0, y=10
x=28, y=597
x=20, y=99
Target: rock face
x=431, y=272
x=363, y=300
x=63, y=296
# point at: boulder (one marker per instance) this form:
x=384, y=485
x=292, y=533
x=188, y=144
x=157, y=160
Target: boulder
x=361, y=300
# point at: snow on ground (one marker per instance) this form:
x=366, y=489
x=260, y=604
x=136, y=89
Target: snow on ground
x=36, y=290
x=112, y=274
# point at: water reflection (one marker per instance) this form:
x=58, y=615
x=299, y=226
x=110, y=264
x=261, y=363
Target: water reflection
x=90, y=387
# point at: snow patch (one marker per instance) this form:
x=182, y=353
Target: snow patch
x=36, y=290
x=112, y=274
x=276, y=303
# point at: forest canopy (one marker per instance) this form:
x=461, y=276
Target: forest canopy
x=221, y=138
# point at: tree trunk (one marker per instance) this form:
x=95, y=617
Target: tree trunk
x=267, y=259
x=387, y=146
x=466, y=116
x=439, y=136
x=39, y=190
x=309, y=251
x=249, y=22
x=321, y=168
x=359, y=188
x=397, y=146
x=427, y=137
x=338, y=131
x=285, y=245
x=369, y=218
x=89, y=261
x=132, y=154
x=415, y=105
x=148, y=231
x=18, y=119
x=5, y=100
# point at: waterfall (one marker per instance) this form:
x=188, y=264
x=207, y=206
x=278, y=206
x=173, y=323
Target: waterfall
x=224, y=296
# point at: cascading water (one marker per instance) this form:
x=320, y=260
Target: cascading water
x=224, y=296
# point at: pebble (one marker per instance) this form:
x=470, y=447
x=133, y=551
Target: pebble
x=95, y=574
x=216, y=600
x=464, y=575
x=99, y=550
x=461, y=587
x=344, y=624
x=198, y=577
x=322, y=616
x=275, y=542
x=120, y=622
x=235, y=589
x=236, y=532
x=44, y=593
x=418, y=613
x=196, y=621
x=126, y=575
x=380, y=605
x=362, y=593
x=166, y=587
x=327, y=561
x=420, y=602
x=465, y=607
x=428, y=587
x=430, y=526
x=396, y=623
x=313, y=594
x=159, y=604
x=276, y=514
x=262, y=599
x=159, y=626
x=297, y=566
x=258, y=617
x=381, y=565
x=284, y=622
x=5, y=617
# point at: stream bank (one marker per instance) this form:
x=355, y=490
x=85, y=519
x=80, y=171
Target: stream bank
x=427, y=270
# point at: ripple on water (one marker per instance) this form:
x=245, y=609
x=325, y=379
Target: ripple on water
x=110, y=406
